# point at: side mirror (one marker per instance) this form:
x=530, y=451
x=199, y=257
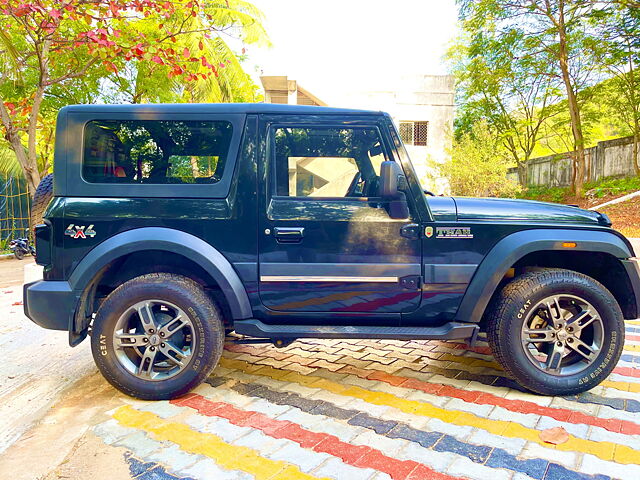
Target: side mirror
x=392, y=182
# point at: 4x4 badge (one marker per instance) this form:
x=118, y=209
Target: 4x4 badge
x=74, y=231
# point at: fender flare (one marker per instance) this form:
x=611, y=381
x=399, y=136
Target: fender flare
x=169, y=240
x=515, y=246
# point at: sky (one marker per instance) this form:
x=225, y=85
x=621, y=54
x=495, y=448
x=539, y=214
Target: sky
x=333, y=46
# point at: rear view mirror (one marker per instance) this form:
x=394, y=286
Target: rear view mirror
x=392, y=182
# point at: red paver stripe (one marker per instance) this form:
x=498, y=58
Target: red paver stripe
x=627, y=371
x=358, y=456
x=472, y=396
x=633, y=338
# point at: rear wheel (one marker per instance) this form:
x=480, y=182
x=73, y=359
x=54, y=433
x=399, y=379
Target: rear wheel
x=157, y=336
x=558, y=332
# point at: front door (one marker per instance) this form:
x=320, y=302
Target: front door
x=326, y=243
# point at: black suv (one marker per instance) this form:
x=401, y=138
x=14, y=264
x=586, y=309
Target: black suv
x=172, y=225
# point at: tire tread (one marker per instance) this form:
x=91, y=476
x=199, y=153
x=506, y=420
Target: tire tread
x=214, y=319
x=524, y=286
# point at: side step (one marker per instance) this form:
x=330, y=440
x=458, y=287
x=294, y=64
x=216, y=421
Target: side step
x=448, y=331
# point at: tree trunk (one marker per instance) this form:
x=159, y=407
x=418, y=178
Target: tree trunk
x=523, y=173
x=635, y=154
x=574, y=109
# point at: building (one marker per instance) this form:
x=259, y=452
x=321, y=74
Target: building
x=420, y=105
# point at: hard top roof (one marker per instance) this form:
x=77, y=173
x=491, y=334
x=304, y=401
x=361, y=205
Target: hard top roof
x=217, y=108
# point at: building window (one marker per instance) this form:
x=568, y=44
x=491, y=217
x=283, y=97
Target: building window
x=414, y=133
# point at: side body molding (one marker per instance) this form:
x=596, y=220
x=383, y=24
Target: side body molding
x=174, y=241
x=515, y=246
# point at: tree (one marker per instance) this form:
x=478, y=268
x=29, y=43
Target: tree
x=478, y=165
x=48, y=46
x=147, y=82
x=617, y=50
x=555, y=30
x=498, y=82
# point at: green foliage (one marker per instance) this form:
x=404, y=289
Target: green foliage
x=546, y=194
x=602, y=108
x=58, y=53
x=9, y=166
x=478, y=165
x=534, y=71
x=499, y=82
x=611, y=186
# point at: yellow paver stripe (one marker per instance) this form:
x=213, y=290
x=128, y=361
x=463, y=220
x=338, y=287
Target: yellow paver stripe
x=604, y=450
x=632, y=322
x=632, y=348
x=624, y=387
x=227, y=456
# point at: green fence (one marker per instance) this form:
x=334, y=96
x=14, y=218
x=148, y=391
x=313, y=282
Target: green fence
x=15, y=206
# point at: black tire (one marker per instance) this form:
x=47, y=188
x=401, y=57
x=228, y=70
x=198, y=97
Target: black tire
x=206, y=334
x=19, y=254
x=514, y=306
x=41, y=199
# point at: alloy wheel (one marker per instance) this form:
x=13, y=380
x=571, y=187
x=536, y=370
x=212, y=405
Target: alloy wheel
x=562, y=335
x=154, y=340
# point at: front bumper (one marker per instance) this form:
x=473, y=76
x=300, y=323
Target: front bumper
x=50, y=304
x=632, y=266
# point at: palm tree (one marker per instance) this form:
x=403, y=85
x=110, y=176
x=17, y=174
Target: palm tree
x=147, y=82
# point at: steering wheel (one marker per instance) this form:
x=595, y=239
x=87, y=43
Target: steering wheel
x=428, y=192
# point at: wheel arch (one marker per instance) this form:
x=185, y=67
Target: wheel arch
x=204, y=263
x=544, y=248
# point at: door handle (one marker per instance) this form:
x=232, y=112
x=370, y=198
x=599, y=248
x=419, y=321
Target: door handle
x=288, y=234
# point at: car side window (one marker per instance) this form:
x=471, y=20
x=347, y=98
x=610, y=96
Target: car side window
x=327, y=162
x=155, y=151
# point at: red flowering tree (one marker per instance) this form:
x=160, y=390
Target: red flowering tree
x=51, y=44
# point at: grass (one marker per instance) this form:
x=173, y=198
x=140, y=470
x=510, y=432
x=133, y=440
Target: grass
x=624, y=215
x=595, y=192
x=546, y=194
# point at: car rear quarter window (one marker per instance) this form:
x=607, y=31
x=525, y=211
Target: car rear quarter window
x=155, y=151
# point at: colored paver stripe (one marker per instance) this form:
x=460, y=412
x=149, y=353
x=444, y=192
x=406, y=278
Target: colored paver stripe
x=227, y=456
x=632, y=348
x=627, y=371
x=603, y=450
x=149, y=470
x=622, y=386
x=440, y=442
x=499, y=379
x=482, y=398
x=358, y=456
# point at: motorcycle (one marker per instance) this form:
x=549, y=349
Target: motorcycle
x=22, y=247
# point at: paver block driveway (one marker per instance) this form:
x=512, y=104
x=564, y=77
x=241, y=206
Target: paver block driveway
x=376, y=410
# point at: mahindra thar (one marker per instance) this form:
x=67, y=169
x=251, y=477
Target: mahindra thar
x=170, y=226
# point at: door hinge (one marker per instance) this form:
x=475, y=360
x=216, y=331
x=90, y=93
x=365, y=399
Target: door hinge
x=411, y=282
x=411, y=231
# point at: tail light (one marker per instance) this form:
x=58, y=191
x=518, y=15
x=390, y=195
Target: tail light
x=43, y=244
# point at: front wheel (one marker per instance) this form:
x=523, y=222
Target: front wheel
x=157, y=336
x=557, y=332
x=18, y=253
